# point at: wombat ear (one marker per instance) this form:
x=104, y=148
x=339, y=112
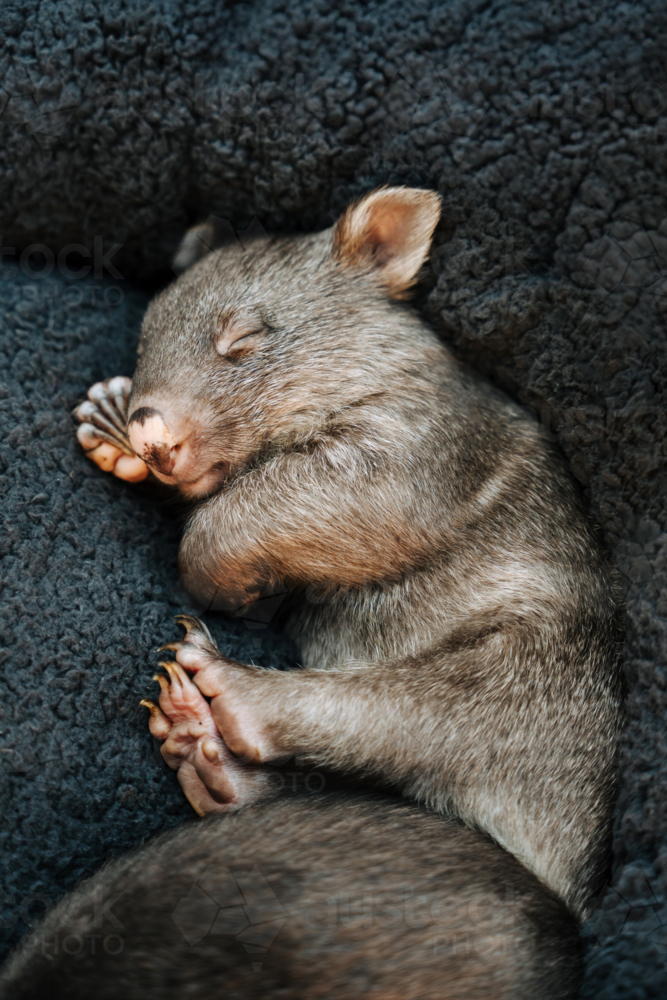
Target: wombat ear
x=197, y=242
x=389, y=231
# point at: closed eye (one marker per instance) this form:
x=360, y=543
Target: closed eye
x=255, y=335
x=235, y=338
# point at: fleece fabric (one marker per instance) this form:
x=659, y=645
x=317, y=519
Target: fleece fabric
x=121, y=123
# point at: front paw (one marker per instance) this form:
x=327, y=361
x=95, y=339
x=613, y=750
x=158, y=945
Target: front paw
x=241, y=696
x=102, y=431
x=212, y=778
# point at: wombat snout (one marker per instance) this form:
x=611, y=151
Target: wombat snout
x=152, y=440
x=177, y=444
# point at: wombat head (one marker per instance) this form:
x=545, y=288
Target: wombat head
x=254, y=348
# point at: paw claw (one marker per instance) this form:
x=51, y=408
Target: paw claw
x=162, y=681
x=176, y=673
x=192, y=624
x=174, y=647
x=197, y=634
x=158, y=724
x=104, y=428
x=151, y=706
x=119, y=386
x=106, y=415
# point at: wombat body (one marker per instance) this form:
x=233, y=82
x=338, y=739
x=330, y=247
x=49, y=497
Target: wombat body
x=458, y=631
x=306, y=898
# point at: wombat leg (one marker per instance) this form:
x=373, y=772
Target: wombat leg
x=373, y=719
x=212, y=779
x=103, y=435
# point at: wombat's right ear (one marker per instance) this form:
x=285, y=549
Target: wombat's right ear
x=388, y=231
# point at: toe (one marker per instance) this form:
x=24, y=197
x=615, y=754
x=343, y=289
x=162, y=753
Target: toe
x=132, y=470
x=105, y=448
x=211, y=787
x=184, y=695
x=191, y=658
x=107, y=429
x=180, y=699
x=196, y=791
x=211, y=750
x=89, y=437
x=85, y=411
x=159, y=724
x=111, y=404
x=119, y=388
x=213, y=680
x=225, y=778
x=104, y=455
x=181, y=741
x=166, y=703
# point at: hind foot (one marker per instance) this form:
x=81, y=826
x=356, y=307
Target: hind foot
x=102, y=434
x=212, y=779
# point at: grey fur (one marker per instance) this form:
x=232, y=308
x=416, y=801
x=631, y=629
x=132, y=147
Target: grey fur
x=459, y=567
x=465, y=645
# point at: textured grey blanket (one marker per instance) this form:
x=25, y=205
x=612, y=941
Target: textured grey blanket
x=544, y=127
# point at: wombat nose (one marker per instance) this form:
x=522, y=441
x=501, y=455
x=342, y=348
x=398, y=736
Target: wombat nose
x=152, y=440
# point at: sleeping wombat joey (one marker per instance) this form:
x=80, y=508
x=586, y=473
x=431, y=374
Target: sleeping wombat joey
x=463, y=647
